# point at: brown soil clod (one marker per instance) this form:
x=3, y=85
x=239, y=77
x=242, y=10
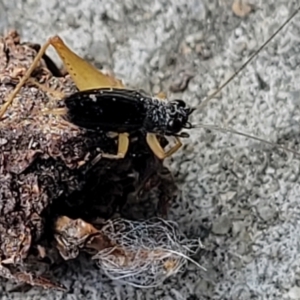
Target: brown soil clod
x=48, y=168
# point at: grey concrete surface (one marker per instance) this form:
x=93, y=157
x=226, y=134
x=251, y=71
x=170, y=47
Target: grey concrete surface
x=246, y=191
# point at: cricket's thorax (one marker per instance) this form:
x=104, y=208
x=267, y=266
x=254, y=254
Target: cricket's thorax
x=167, y=118
x=123, y=110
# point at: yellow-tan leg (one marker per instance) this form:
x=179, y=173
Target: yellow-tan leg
x=158, y=150
x=24, y=79
x=85, y=75
x=123, y=144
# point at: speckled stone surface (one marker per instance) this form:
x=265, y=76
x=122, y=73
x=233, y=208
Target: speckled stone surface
x=245, y=193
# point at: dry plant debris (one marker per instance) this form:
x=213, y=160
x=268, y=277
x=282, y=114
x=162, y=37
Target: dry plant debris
x=139, y=253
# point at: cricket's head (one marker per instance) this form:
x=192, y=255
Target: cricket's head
x=178, y=116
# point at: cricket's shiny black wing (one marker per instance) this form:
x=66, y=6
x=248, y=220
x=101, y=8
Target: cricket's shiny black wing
x=119, y=110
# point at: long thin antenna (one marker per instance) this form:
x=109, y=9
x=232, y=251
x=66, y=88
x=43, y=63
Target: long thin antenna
x=229, y=130
x=205, y=101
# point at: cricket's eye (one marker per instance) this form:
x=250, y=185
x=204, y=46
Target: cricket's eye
x=179, y=103
x=175, y=125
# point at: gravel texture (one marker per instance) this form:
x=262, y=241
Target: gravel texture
x=240, y=193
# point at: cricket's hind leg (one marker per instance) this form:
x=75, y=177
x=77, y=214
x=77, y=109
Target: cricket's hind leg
x=25, y=78
x=84, y=75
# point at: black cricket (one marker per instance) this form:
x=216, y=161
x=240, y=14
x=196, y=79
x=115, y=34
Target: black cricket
x=124, y=110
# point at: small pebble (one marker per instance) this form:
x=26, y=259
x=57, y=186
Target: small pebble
x=294, y=293
x=222, y=225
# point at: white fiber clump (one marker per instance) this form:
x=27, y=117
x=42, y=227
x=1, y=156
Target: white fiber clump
x=145, y=252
